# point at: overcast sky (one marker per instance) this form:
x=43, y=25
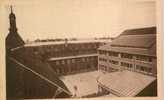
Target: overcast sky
x=77, y=18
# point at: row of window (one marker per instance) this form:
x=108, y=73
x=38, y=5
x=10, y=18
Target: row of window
x=115, y=54
x=69, y=53
x=54, y=53
x=71, y=47
x=138, y=67
x=144, y=69
x=126, y=65
x=69, y=61
x=110, y=61
x=113, y=62
x=143, y=58
x=102, y=66
x=105, y=68
x=125, y=55
x=74, y=69
x=130, y=66
x=109, y=53
x=103, y=59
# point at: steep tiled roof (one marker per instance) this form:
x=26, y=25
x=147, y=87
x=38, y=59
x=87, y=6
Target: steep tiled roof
x=34, y=63
x=14, y=40
x=140, y=31
x=136, y=41
x=130, y=50
x=139, y=41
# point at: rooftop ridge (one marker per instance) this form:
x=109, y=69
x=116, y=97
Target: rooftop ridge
x=140, y=31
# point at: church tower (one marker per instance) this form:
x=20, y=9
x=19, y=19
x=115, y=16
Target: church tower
x=13, y=39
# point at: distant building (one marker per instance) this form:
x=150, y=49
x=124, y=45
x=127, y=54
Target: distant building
x=27, y=76
x=68, y=57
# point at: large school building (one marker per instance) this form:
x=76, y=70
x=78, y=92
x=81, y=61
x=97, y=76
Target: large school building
x=133, y=50
x=129, y=61
x=68, y=57
x=33, y=70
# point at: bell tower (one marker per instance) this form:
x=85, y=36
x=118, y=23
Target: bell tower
x=13, y=39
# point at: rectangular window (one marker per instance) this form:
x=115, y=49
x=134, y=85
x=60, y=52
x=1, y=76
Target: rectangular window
x=150, y=59
x=87, y=59
x=125, y=55
x=68, y=61
x=137, y=67
x=94, y=46
x=73, y=60
x=143, y=68
x=149, y=70
x=102, y=52
x=63, y=62
x=83, y=59
x=143, y=58
x=113, y=62
x=91, y=59
x=55, y=48
x=57, y=62
x=114, y=54
x=103, y=59
x=127, y=65
x=103, y=67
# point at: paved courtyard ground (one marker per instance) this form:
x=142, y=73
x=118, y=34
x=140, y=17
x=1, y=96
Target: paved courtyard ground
x=85, y=82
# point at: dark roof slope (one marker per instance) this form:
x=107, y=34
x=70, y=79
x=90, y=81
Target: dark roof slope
x=129, y=50
x=140, y=41
x=140, y=31
x=137, y=41
x=33, y=62
x=13, y=40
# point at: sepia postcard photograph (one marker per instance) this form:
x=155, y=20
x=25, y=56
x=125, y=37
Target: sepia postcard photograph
x=81, y=49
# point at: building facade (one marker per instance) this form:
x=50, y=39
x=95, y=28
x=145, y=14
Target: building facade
x=130, y=64
x=67, y=58
x=133, y=50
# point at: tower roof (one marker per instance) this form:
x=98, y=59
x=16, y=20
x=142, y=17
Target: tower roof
x=13, y=39
x=11, y=8
x=11, y=13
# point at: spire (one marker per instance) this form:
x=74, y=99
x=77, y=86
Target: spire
x=11, y=8
x=12, y=19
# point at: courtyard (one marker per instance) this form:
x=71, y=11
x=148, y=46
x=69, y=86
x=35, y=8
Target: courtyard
x=85, y=83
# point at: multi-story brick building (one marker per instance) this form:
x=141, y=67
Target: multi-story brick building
x=130, y=64
x=68, y=57
x=133, y=50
